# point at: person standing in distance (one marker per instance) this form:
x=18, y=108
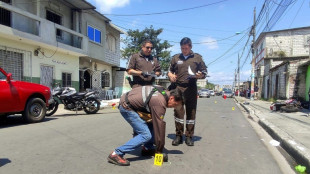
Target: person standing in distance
x=185, y=69
x=143, y=66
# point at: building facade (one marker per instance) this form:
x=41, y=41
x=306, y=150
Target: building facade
x=278, y=55
x=58, y=42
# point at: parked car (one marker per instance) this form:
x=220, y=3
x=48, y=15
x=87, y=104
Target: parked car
x=18, y=97
x=204, y=93
x=228, y=94
x=219, y=93
x=211, y=93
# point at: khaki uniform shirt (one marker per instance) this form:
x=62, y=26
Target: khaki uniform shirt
x=157, y=106
x=146, y=64
x=181, y=67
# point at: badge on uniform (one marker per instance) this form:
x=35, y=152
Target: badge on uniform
x=180, y=62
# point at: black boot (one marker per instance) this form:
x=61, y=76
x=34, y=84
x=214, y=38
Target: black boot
x=178, y=140
x=189, y=141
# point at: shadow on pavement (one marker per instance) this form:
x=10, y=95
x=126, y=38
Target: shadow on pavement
x=17, y=120
x=195, y=138
x=4, y=161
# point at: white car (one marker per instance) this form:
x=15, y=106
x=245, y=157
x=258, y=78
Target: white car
x=211, y=93
x=204, y=93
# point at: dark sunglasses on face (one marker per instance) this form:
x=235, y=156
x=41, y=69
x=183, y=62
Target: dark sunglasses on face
x=149, y=48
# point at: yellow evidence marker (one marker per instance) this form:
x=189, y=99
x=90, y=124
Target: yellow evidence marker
x=233, y=108
x=158, y=160
x=215, y=101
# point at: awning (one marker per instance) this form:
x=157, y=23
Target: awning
x=80, y=4
x=119, y=68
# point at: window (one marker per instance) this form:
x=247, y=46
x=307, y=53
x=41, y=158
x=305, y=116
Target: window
x=111, y=41
x=5, y=18
x=105, y=79
x=53, y=17
x=94, y=34
x=2, y=76
x=66, y=79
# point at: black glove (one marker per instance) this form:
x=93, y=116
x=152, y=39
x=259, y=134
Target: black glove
x=145, y=74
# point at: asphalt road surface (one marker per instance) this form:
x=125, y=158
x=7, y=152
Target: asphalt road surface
x=225, y=142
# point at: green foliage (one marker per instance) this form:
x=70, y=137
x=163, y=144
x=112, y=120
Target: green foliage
x=210, y=85
x=282, y=54
x=272, y=99
x=134, y=41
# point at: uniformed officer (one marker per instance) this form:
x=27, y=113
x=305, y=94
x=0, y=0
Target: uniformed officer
x=185, y=69
x=141, y=100
x=143, y=66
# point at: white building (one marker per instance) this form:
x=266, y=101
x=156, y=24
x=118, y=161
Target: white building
x=278, y=55
x=66, y=42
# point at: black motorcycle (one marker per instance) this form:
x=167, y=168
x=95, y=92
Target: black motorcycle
x=73, y=101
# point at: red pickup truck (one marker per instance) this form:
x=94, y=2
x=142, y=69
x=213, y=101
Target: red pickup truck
x=18, y=97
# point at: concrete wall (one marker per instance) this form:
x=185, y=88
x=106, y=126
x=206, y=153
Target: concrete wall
x=95, y=50
x=291, y=42
x=281, y=92
x=59, y=61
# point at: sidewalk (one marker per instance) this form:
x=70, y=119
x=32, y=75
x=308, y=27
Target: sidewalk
x=292, y=130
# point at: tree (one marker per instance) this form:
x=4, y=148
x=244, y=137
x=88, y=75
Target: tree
x=210, y=85
x=134, y=41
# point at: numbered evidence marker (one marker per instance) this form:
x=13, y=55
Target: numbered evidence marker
x=215, y=101
x=233, y=108
x=158, y=160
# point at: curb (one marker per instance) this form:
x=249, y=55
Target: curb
x=292, y=147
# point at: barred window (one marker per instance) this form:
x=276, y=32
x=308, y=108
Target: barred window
x=66, y=79
x=105, y=79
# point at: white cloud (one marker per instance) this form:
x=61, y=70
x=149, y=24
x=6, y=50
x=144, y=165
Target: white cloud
x=106, y=6
x=210, y=42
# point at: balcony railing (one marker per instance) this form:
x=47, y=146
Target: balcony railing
x=39, y=29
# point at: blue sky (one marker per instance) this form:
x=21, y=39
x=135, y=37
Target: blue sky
x=213, y=27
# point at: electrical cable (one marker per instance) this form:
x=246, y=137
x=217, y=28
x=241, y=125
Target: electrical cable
x=166, y=12
x=226, y=51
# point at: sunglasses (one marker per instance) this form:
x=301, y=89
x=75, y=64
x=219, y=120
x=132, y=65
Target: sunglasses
x=149, y=48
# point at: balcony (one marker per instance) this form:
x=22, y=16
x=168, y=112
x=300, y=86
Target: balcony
x=17, y=23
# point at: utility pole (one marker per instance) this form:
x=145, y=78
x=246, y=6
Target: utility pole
x=238, y=81
x=253, y=56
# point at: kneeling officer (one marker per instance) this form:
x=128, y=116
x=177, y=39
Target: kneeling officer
x=144, y=108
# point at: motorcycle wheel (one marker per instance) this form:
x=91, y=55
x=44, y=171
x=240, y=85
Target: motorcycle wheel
x=52, y=108
x=92, y=106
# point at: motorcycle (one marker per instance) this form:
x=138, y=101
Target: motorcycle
x=291, y=105
x=73, y=101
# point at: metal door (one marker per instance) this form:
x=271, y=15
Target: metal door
x=46, y=77
x=12, y=62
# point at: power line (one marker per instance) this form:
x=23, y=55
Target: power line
x=297, y=13
x=227, y=51
x=166, y=12
x=153, y=22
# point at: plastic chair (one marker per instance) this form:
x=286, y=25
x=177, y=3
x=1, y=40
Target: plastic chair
x=109, y=94
x=116, y=92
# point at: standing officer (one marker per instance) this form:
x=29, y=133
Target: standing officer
x=143, y=66
x=185, y=69
x=135, y=107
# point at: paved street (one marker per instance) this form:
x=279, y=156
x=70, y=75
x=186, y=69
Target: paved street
x=225, y=142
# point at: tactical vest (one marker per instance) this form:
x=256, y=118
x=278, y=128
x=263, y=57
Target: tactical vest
x=147, y=95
